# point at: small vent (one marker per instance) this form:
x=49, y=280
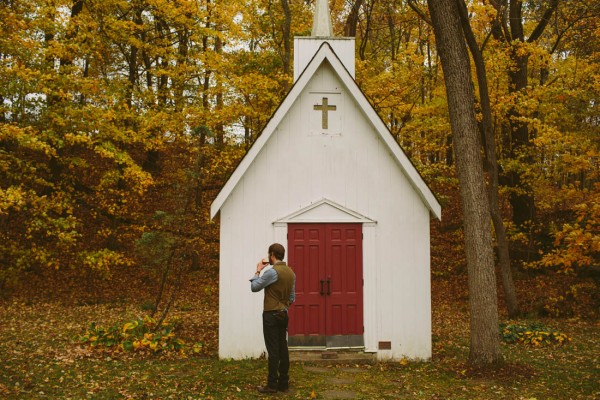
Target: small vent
x=385, y=345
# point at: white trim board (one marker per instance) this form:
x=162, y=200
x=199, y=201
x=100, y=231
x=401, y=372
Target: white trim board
x=324, y=211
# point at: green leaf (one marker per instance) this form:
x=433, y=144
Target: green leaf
x=127, y=345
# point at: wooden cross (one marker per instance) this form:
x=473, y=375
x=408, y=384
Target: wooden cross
x=325, y=108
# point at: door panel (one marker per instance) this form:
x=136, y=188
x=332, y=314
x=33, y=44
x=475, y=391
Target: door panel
x=344, y=270
x=327, y=260
x=307, y=259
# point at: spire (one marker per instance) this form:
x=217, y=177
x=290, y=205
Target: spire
x=322, y=20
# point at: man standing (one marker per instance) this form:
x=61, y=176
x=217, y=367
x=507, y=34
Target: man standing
x=279, y=284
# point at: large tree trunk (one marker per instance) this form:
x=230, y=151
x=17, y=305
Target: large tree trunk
x=485, y=345
x=489, y=141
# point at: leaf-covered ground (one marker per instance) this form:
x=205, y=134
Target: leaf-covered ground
x=41, y=359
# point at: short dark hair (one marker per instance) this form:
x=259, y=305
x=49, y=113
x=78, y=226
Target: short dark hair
x=277, y=250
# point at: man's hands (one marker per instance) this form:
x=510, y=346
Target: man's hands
x=261, y=265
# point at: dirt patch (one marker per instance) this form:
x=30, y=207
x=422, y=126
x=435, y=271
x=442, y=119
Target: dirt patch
x=339, y=394
x=351, y=370
x=340, y=381
x=319, y=370
x=506, y=372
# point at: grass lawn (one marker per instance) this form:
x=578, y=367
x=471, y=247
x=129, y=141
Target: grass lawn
x=41, y=359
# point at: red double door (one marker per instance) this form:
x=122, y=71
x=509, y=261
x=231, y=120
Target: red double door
x=327, y=260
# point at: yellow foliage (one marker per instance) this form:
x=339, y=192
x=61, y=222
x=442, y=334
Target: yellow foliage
x=12, y=197
x=130, y=326
x=94, y=143
x=577, y=245
x=25, y=137
x=104, y=261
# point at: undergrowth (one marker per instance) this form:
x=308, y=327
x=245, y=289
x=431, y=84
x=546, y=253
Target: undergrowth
x=532, y=333
x=142, y=334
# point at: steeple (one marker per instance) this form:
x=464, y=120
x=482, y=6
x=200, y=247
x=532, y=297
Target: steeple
x=322, y=20
x=322, y=32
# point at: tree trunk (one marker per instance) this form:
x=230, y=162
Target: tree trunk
x=521, y=198
x=352, y=20
x=219, y=128
x=287, y=44
x=207, y=71
x=133, y=58
x=362, y=48
x=2, y=113
x=392, y=28
x=163, y=77
x=3, y=118
x=182, y=60
x=76, y=9
x=491, y=165
x=49, y=32
x=485, y=345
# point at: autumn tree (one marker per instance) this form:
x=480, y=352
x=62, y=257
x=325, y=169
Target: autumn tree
x=491, y=162
x=485, y=347
x=509, y=27
x=116, y=114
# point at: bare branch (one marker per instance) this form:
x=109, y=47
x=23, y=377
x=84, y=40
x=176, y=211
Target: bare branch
x=539, y=29
x=412, y=4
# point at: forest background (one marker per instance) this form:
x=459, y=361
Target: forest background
x=120, y=120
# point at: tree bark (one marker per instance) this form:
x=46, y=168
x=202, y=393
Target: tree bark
x=219, y=128
x=491, y=165
x=3, y=118
x=182, y=60
x=287, y=27
x=483, y=306
x=207, y=71
x=133, y=57
x=367, y=31
x=392, y=28
x=76, y=9
x=352, y=20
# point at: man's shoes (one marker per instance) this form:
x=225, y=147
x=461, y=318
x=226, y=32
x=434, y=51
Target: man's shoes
x=284, y=390
x=266, y=390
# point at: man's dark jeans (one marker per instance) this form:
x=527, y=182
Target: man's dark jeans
x=275, y=325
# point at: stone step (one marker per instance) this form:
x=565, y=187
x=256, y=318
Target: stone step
x=333, y=356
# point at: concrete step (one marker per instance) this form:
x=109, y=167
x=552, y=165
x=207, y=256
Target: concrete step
x=333, y=356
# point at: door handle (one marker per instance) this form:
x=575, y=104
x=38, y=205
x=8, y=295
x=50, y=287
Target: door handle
x=328, y=286
x=322, y=282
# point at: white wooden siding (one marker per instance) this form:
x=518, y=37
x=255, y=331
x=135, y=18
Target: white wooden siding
x=306, y=47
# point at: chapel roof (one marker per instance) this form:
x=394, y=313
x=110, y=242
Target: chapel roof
x=326, y=54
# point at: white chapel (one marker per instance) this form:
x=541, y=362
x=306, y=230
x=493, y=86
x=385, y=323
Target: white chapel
x=328, y=181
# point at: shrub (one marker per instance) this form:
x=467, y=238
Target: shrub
x=137, y=335
x=580, y=299
x=534, y=334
